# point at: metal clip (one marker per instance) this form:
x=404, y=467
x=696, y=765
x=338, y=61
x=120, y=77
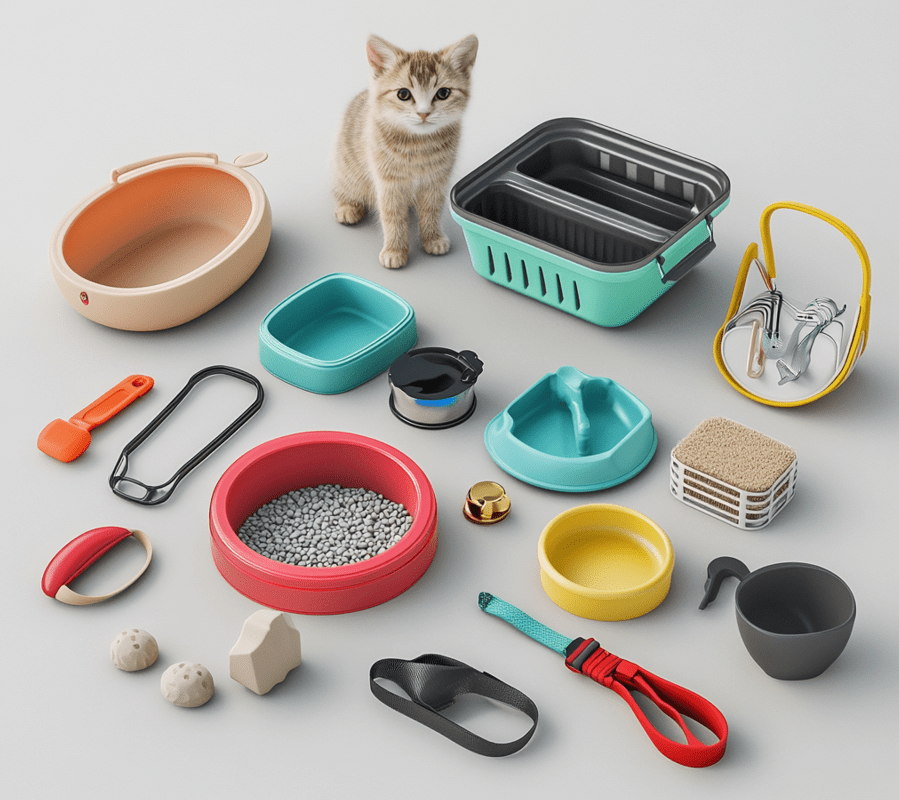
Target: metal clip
x=755, y=366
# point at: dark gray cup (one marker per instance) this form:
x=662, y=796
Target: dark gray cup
x=794, y=618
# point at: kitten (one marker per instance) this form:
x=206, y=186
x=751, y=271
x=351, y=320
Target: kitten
x=398, y=142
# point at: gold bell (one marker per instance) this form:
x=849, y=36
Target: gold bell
x=486, y=503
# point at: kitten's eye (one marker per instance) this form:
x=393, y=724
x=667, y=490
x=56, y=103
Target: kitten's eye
x=443, y=93
x=404, y=94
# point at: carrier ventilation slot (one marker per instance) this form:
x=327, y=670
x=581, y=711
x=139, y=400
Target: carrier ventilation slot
x=577, y=297
x=490, y=259
x=508, y=269
x=689, y=192
x=542, y=282
x=524, y=273
x=559, y=289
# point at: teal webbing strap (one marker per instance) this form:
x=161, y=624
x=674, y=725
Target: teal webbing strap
x=527, y=625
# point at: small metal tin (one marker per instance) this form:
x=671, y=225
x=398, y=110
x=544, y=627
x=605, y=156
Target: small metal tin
x=433, y=387
x=486, y=503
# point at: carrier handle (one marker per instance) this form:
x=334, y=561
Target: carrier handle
x=861, y=336
x=690, y=260
x=117, y=173
x=842, y=227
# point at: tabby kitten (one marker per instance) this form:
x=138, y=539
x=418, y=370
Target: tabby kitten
x=398, y=142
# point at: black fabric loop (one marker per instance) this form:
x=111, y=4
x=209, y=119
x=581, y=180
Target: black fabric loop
x=434, y=682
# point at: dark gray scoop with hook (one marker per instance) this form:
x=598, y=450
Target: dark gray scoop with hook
x=794, y=618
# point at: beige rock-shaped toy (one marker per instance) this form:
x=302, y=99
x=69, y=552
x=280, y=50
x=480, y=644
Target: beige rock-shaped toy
x=187, y=685
x=268, y=648
x=133, y=650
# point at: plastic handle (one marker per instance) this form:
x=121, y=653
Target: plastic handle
x=691, y=259
x=250, y=159
x=719, y=569
x=473, y=366
x=117, y=173
x=104, y=408
x=842, y=227
x=79, y=554
x=859, y=340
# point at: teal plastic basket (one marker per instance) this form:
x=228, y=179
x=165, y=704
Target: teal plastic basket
x=589, y=220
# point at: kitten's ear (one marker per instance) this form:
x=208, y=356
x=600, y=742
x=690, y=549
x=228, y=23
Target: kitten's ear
x=462, y=54
x=381, y=54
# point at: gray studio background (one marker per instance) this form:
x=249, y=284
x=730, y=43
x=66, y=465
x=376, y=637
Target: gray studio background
x=793, y=100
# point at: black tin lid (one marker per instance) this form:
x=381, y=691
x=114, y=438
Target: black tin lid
x=435, y=373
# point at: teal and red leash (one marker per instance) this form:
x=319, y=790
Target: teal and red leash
x=624, y=677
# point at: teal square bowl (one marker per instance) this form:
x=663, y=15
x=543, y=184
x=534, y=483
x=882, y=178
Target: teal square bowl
x=336, y=333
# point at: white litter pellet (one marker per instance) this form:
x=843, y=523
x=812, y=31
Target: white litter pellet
x=325, y=526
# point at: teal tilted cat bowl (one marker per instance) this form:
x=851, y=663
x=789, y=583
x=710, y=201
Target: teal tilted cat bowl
x=336, y=333
x=571, y=432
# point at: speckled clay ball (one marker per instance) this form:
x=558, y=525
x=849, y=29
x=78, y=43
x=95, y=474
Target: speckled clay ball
x=187, y=685
x=133, y=650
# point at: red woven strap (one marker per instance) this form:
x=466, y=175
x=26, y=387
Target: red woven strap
x=675, y=701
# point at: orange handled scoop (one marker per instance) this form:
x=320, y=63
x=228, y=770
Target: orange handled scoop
x=65, y=440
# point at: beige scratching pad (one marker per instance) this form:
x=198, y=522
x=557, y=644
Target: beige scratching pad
x=733, y=472
x=735, y=454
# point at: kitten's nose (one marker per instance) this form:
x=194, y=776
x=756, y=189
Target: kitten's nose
x=424, y=116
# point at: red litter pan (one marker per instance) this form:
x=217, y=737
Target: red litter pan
x=310, y=459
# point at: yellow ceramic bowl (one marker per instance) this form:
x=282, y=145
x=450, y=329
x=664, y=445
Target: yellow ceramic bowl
x=605, y=562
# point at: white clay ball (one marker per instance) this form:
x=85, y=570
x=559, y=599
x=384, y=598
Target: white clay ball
x=187, y=685
x=133, y=650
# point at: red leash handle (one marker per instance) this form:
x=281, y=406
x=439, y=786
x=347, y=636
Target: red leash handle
x=623, y=677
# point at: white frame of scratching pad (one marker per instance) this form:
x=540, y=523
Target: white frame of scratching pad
x=737, y=507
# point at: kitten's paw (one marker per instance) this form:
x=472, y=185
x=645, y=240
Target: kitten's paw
x=436, y=245
x=393, y=259
x=349, y=213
